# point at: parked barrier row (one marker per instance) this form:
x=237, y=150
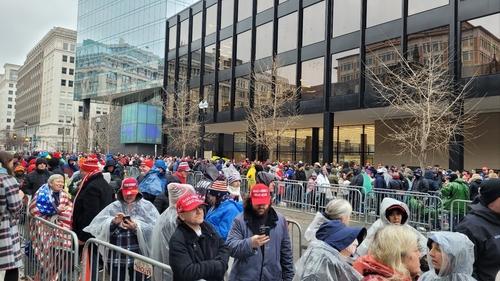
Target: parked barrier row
x=458, y=210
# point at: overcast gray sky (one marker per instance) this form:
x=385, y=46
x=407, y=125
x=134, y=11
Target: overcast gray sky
x=24, y=22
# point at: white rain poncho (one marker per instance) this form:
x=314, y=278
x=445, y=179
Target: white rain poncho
x=321, y=262
x=162, y=232
x=383, y=221
x=141, y=211
x=457, y=258
x=319, y=219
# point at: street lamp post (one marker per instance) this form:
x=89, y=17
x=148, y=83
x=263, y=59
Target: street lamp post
x=73, y=144
x=203, y=105
x=64, y=133
x=26, y=133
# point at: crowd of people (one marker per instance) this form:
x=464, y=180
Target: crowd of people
x=212, y=230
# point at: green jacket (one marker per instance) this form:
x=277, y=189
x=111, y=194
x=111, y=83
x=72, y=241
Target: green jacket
x=455, y=190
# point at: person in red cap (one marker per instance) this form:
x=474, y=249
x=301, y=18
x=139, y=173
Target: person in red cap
x=127, y=223
x=259, y=237
x=196, y=250
x=93, y=195
x=182, y=172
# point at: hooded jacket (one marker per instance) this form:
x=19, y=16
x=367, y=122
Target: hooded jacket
x=482, y=226
x=273, y=263
x=319, y=219
x=34, y=180
x=151, y=183
x=321, y=262
x=458, y=256
x=222, y=217
x=383, y=221
x=455, y=190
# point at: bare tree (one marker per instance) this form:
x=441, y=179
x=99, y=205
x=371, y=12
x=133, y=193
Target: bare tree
x=274, y=110
x=428, y=100
x=82, y=134
x=108, y=133
x=182, y=123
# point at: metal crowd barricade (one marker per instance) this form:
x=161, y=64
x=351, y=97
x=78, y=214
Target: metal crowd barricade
x=51, y=252
x=244, y=188
x=458, y=210
x=103, y=261
x=290, y=194
x=354, y=195
x=425, y=209
x=295, y=232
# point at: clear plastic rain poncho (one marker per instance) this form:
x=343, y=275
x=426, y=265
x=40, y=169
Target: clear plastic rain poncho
x=165, y=227
x=457, y=258
x=141, y=211
x=321, y=262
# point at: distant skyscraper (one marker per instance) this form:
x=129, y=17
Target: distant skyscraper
x=120, y=49
x=8, y=82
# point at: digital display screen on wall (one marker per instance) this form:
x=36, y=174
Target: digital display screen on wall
x=141, y=123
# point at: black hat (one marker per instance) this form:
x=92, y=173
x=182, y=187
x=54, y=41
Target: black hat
x=41, y=161
x=489, y=190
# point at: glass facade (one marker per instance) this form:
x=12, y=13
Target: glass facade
x=338, y=68
x=141, y=123
x=120, y=45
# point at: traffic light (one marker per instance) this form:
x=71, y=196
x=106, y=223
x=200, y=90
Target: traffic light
x=15, y=136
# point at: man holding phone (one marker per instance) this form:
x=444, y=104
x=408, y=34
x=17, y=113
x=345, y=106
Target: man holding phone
x=259, y=241
x=127, y=223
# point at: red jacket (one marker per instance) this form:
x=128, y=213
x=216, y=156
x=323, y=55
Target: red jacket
x=373, y=270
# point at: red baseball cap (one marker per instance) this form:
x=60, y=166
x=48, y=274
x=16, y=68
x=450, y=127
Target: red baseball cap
x=260, y=195
x=183, y=166
x=188, y=202
x=130, y=186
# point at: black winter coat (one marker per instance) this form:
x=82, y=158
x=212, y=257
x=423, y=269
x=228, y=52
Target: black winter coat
x=300, y=175
x=396, y=184
x=94, y=196
x=161, y=202
x=357, y=180
x=421, y=185
x=34, y=180
x=482, y=226
x=474, y=188
x=193, y=258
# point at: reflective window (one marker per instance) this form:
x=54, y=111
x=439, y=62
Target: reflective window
x=286, y=145
x=481, y=46
x=240, y=146
x=263, y=5
x=286, y=79
x=287, y=33
x=195, y=63
x=314, y=24
x=243, y=47
x=172, y=36
x=184, y=33
x=312, y=79
x=264, y=41
x=380, y=11
x=209, y=59
x=211, y=24
x=226, y=50
x=227, y=13
x=183, y=68
x=263, y=91
x=346, y=16
x=417, y=6
x=429, y=44
x=244, y=9
x=197, y=26
x=381, y=55
x=225, y=95
x=209, y=92
x=350, y=143
x=171, y=72
x=345, y=72
x=242, y=91
x=304, y=145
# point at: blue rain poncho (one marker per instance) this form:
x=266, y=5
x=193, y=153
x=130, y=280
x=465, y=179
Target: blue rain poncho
x=457, y=258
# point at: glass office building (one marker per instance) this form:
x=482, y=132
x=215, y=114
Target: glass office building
x=120, y=49
x=325, y=48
